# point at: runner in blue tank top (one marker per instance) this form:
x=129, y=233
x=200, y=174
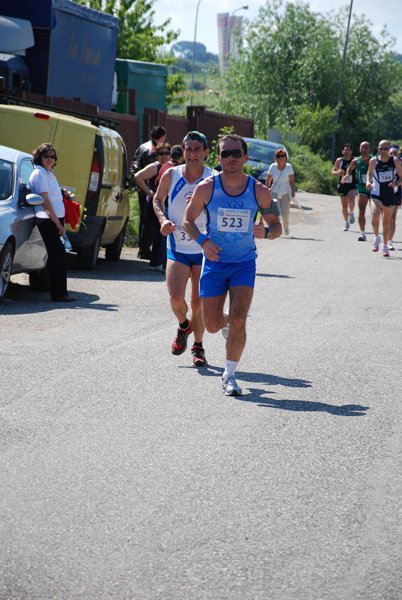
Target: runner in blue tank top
x=231, y=201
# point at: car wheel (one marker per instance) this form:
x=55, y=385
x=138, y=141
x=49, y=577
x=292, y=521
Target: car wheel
x=39, y=280
x=88, y=256
x=113, y=251
x=6, y=263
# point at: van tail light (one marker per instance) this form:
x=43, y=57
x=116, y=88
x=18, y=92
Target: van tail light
x=94, y=179
x=39, y=115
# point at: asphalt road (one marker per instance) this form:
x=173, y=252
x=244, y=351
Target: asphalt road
x=126, y=474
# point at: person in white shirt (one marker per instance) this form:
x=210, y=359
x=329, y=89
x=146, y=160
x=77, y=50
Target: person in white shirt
x=50, y=219
x=282, y=178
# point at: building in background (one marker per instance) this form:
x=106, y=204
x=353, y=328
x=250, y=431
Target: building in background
x=229, y=35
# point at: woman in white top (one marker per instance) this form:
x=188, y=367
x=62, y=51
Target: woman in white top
x=282, y=177
x=50, y=219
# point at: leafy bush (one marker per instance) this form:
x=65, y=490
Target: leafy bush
x=312, y=173
x=132, y=236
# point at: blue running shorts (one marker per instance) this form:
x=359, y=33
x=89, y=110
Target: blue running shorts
x=186, y=259
x=217, y=278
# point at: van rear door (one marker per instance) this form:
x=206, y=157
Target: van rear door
x=22, y=127
x=75, y=145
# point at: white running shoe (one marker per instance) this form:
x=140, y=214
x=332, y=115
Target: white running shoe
x=230, y=387
x=346, y=227
x=362, y=237
x=390, y=245
x=159, y=268
x=376, y=244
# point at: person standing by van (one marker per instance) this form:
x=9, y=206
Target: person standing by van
x=283, y=188
x=144, y=156
x=50, y=219
x=146, y=180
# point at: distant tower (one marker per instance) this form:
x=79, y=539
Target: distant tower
x=229, y=31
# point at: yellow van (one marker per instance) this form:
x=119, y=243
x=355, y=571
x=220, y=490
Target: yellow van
x=92, y=162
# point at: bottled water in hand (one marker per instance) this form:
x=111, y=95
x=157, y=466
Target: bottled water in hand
x=66, y=243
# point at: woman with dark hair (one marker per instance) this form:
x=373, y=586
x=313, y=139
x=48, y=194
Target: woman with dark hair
x=282, y=178
x=50, y=219
x=146, y=181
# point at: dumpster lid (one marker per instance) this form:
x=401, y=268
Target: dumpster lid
x=16, y=35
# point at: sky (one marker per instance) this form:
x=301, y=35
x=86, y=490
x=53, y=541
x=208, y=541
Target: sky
x=183, y=12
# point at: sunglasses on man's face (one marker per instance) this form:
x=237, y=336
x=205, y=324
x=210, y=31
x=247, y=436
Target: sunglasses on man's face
x=383, y=148
x=163, y=153
x=49, y=156
x=235, y=153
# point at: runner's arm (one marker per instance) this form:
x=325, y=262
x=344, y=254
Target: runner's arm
x=158, y=200
x=349, y=170
x=142, y=176
x=370, y=173
x=398, y=167
x=336, y=170
x=199, y=200
x=264, y=199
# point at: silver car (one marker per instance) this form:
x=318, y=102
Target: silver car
x=21, y=245
x=261, y=156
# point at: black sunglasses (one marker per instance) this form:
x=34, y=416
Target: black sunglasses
x=383, y=148
x=281, y=155
x=49, y=156
x=163, y=153
x=235, y=153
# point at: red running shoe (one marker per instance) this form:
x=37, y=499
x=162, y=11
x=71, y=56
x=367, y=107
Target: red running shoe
x=180, y=342
x=198, y=355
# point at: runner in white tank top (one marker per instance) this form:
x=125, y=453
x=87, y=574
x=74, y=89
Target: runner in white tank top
x=183, y=256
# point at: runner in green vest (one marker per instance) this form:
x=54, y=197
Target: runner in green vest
x=361, y=164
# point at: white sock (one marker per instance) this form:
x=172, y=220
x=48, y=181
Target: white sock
x=230, y=368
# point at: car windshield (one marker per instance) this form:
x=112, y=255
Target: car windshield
x=261, y=153
x=6, y=179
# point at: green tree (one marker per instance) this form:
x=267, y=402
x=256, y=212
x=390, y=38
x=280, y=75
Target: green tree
x=291, y=62
x=314, y=126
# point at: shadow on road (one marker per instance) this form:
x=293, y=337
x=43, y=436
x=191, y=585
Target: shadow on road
x=257, y=395
x=273, y=275
x=268, y=379
x=347, y=410
x=301, y=239
x=125, y=269
x=21, y=300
